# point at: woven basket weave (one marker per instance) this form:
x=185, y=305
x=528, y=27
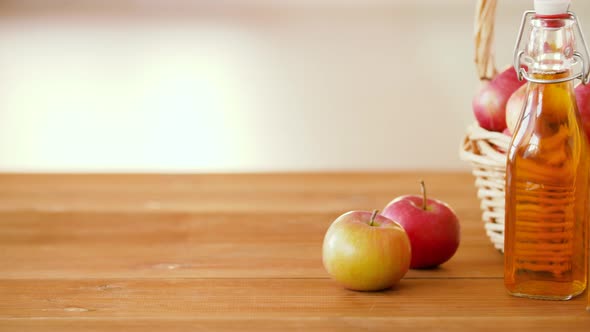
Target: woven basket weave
x=486, y=150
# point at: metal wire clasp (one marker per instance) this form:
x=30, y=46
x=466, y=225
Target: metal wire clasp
x=584, y=58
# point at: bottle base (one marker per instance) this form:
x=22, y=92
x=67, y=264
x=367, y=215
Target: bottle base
x=539, y=290
x=545, y=297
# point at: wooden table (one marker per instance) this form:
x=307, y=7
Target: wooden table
x=236, y=252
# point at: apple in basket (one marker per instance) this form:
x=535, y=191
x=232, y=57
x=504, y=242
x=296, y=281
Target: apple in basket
x=489, y=104
x=516, y=102
x=583, y=101
x=514, y=107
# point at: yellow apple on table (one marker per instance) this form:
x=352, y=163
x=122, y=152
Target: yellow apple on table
x=365, y=251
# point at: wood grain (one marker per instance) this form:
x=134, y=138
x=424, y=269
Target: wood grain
x=345, y=324
x=241, y=298
x=257, y=193
x=192, y=245
x=235, y=252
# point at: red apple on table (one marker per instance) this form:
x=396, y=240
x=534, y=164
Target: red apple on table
x=365, y=251
x=431, y=225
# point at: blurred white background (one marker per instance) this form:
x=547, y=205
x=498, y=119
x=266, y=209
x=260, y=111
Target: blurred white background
x=260, y=85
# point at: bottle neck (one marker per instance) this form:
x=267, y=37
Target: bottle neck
x=551, y=45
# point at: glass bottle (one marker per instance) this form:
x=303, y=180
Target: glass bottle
x=547, y=173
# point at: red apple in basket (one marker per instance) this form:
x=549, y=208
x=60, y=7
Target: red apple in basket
x=514, y=107
x=365, y=251
x=516, y=103
x=431, y=225
x=489, y=104
x=583, y=101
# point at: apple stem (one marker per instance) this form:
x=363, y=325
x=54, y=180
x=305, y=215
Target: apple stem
x=373, y=217
x=424, y=200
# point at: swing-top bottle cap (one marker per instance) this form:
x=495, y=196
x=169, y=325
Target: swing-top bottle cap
x=551, y=7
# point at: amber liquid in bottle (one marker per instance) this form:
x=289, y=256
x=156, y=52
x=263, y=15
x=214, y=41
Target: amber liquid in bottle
x=547, y=196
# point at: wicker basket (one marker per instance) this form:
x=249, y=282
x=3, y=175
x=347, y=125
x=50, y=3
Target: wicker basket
x=486, y=150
